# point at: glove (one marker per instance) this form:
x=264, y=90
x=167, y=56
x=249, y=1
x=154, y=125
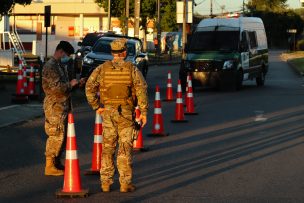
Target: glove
x=143, y=120
x=100, y=110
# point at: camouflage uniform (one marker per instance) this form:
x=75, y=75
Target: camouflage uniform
x=113, y=80
x=55, y=83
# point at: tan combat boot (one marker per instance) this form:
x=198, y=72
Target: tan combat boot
x=50, y=169
x=105, y=187
x=127, y=187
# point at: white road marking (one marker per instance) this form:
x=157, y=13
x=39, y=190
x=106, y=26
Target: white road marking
x=8, y=107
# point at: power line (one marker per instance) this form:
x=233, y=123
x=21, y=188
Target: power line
x=197, y=4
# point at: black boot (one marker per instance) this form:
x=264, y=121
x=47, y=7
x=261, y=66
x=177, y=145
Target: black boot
x=58, y=163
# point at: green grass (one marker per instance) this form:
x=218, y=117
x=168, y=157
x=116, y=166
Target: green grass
x=298, y=63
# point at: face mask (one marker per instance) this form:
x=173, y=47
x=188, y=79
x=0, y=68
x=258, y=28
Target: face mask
x=65, y=59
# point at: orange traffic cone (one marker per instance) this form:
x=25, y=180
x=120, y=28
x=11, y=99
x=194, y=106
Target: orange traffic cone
x=31, y=85
x=158, y=125
x=20, y=96
x=20, y=83
x=25, y=80
x=138, y=144
x=179, y=108
x=97, y=147
x=190, y=100
x=72, y=182
x=169, y=88
x=186, y=98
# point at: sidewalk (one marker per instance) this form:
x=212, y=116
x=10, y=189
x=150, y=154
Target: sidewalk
x=295, y=60
x=164, y=59
x=11, y=114
x=15, y=114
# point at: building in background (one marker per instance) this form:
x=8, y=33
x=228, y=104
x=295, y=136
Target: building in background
x=70, y=20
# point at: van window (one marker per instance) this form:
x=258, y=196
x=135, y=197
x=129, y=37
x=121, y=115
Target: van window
x=104, y=46
x=227, y=41
x=253, y=40
x=244, y=42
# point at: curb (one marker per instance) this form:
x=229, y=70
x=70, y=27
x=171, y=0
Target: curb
x=20, y=121
x=294, y=68
x=29, y=112
x=164, y=63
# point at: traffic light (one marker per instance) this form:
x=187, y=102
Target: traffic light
x=47, y=16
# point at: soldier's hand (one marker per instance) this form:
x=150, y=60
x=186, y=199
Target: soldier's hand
x=82, y=82
x=100, y=110
x=73, y=82
x=143, y=120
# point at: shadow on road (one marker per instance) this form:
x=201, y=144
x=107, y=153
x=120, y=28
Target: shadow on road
x=236, y=144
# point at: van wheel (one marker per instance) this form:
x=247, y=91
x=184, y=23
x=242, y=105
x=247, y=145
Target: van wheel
x=183, y=78
x=239, y=79
x=260, y=80
x=145, y=71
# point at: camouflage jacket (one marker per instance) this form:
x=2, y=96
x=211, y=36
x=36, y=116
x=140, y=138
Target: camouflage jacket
x=138, y=82
x=55, y=82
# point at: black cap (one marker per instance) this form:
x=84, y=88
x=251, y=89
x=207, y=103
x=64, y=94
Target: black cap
x=66, y=47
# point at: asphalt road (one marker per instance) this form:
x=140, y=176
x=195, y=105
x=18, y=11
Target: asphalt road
x=244, y=146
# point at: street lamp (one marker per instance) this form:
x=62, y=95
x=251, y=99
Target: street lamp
x=185, y=2
x=158, y=28
x=127, y=17
x=109, y=15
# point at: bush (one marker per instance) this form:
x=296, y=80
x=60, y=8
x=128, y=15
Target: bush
x=300, y=45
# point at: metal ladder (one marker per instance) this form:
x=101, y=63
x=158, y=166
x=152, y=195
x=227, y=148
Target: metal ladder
x=18, y=46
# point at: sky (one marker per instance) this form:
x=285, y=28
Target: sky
x=203, y=6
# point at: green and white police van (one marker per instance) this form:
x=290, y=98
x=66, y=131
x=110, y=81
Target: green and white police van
x=223, y=52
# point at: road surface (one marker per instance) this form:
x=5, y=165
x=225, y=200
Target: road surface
x=244, y=146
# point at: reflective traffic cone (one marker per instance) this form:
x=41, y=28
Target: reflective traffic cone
x=20, y=82
x=158, y=124
x=97, y=147
x=31, y=85
x=179, y=108
x=25, y=80
x=72, y=182
x=20, y=96
x=138, y=144
x=169, y=95
x=188, y=75
x=190, y=100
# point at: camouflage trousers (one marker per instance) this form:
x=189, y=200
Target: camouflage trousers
x=117, y=128
x=55, y=127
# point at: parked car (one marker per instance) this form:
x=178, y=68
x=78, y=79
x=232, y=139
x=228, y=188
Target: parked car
x=101, y=52
x=224, y=52
x=86, y=45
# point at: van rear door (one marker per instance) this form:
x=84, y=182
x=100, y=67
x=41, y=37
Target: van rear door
x=244, y=48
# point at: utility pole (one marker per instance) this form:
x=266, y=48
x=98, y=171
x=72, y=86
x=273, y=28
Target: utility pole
x=184, y=27
x=127, y=16
x=136, y=16
x=211, y=8
x=223, y=8
x=158, y=28
x=243, y=6
x=109, y=15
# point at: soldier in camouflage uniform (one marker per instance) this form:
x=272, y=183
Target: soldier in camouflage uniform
x=119, y=84
x=57, y=88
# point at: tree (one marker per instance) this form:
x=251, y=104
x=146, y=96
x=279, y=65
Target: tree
x=267, y=5
x=117, y=7
x=8, y=5
x=168, y=15
x=277, y=19
x=148, y=11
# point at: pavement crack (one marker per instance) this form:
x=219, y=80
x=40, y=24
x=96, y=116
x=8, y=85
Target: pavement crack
x=8, y=176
